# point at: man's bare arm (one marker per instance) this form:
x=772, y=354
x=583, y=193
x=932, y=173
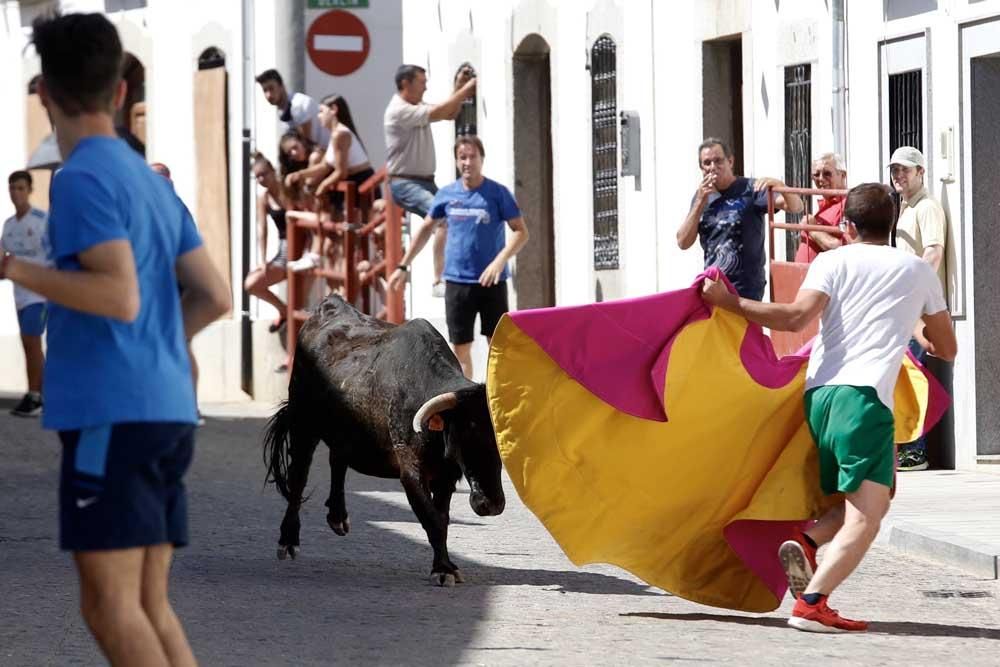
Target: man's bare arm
x=515, y=241
x=688, y=231
x=784, y=201
x=398, y=277
x=106, y=285
x=793, y=316
x=206, y=297
x=824, y=240
x=936, y=335
x=933, y=255
x=305, y=129
x=448, y=110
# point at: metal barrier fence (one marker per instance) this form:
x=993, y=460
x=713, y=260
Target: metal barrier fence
x=787, y=277
x=371, y=246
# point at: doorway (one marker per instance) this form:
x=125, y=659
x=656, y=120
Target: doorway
x=212, y=153
x=722, y=93
x=534, y=283
x=981, y=192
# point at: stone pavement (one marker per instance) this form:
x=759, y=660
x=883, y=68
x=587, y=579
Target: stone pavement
x=948, y=516
x=364, y=598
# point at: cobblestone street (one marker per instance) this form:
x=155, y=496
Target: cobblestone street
x=365, y=598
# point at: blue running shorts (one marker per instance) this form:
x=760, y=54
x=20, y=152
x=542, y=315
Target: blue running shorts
x=122, y=486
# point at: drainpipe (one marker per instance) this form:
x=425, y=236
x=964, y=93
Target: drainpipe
x=839, y=79
x=246, y=330
x=290, y=36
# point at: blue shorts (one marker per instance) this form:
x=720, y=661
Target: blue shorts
x=32, y=319
x=414, y=195
x=122, y=486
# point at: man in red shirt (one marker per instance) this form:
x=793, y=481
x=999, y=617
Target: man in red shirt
x=829, y=173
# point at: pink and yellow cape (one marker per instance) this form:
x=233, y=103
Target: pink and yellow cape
x=665, y=437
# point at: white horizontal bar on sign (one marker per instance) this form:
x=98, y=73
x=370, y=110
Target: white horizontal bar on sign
x=338, y=43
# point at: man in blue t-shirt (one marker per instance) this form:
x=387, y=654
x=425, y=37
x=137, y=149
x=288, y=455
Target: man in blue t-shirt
x=117, y=382
x=727, y=217
x=475, y=258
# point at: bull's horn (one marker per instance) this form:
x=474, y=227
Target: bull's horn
x=435, y=405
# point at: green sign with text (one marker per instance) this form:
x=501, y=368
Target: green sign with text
x=338, y=4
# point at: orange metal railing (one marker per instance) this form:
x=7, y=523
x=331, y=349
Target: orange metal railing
x=787, y=277
x=371, y=246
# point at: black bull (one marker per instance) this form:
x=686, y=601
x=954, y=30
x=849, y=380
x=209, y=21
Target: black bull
x=388, y=401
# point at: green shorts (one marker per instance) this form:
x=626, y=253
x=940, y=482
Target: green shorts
x=854, y=432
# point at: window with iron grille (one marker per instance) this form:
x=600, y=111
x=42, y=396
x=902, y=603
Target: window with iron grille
x=604, y=110
x=906, y=110
x=465, y=121
x=798, y=141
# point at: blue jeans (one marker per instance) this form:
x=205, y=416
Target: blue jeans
x=921, y=354
x=416, y=196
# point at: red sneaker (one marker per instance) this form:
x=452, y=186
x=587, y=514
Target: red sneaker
x=798, y=560
x=820, y=618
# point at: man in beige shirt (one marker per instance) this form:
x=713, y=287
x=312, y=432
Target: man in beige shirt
x=410, y=159
x=920, y=230
x=922, y=226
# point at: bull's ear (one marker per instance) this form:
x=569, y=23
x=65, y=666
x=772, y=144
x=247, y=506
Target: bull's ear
x=435, y=423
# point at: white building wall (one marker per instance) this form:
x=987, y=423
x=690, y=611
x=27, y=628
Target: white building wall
x=676, y=131
x=572, y=138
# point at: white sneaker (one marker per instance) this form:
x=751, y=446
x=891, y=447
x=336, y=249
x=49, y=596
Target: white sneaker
x=308, y=261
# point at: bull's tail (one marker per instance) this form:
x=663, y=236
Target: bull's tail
x=277, y=449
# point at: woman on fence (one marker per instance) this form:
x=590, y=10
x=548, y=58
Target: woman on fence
x=345, y=160
x=296, y=154
x=270, y=204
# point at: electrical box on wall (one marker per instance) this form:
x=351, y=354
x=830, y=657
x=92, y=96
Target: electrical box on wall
x=630, y=143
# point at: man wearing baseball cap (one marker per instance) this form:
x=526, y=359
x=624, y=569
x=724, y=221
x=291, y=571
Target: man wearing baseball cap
x=921, y=231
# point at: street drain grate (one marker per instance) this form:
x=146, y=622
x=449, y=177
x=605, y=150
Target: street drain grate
x=957, y=594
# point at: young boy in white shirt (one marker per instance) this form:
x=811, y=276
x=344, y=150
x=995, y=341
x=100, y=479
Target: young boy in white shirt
x=26, y=236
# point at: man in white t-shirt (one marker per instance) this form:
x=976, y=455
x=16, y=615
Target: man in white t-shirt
x=297, y=111
x=26, y=236
x=870, y=298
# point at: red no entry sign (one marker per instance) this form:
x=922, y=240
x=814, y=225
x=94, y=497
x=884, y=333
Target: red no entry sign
x=338, y=42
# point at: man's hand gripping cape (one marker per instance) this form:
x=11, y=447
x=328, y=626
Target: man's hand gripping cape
x=663, y=436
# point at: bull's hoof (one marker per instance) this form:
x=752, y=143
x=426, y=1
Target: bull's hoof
x=447, y=579
x=339, y=527
x=284, y=552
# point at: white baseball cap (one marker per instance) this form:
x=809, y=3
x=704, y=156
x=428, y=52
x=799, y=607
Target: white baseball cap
x=908, y=156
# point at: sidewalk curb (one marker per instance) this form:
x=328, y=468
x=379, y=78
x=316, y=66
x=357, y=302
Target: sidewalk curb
x=977, y=558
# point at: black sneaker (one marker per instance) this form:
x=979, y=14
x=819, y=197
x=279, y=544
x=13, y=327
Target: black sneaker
x=28, y=407
x=912, y=459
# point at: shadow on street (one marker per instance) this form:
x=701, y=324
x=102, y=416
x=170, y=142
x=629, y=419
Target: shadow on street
x=905, y=628
x=344, y=599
